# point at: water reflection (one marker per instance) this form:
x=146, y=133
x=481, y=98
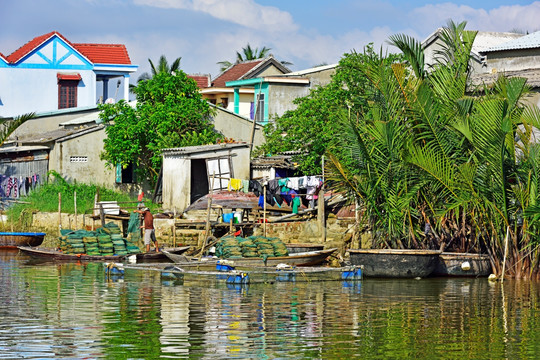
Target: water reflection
x=76, y=311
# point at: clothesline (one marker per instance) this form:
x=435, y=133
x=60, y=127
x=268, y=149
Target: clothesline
x=16, y=186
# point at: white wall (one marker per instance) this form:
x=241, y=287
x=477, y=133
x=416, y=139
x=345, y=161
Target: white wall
x=24, y=90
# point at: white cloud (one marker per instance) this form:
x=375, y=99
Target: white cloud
x=243, y=12
x=501, y=19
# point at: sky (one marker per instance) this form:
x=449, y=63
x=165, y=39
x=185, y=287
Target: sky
x=203, y=32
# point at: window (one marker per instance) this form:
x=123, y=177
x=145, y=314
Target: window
x=225, y=102
x=259, y=108
x=221, y=170
x=78, y=159
x=67, y=93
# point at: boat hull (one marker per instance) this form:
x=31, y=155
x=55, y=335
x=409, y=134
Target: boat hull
x=45, y=254
x=454, y=264
x=160, y=256
x=301, y=248
x=15, y=239
x=395, y=263
x=301, y=259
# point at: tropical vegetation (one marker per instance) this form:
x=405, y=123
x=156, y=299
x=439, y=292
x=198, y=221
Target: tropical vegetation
x=435, y=162
x=169, y=112
x=162, y=67
x=8, y=126
x=247, y=53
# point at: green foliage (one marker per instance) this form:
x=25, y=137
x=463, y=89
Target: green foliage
x=170, y=112
x=424, y=150
x=314, y=125
x=8, y=126
x=248, y=53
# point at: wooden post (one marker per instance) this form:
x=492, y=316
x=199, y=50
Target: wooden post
x=505, y=252
x=264, y=210
x=59, y=212
x=102, y=215
x=208, y=209
x=75, y=204
x=321, y=213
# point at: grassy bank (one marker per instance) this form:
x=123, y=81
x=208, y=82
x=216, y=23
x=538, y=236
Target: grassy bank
x=45, y=199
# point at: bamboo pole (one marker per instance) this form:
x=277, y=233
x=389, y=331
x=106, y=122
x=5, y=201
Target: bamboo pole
x=264, y=210
x=505, y=252
x=59, y=213
x=75, y=204
x=208, y=209
x=321, y=208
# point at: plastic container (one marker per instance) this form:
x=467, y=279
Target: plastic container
x=237, y=217
x=228, y=217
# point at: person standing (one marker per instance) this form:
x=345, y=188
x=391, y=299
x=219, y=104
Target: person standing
x=148, y=226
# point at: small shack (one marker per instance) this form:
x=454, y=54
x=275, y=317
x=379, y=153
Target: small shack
x=188, y=172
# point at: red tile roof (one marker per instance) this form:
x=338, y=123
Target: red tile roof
x=235, y=72
x=96, y=53
x=104, y=53
x=70, y=76
x=203, y=81
x=31, y=45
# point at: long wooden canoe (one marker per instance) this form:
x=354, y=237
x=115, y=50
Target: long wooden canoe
x=395, y=263
x=153, y=256
x=301, y=259
x=47, y=254
x=300, y=248
x=15, y=239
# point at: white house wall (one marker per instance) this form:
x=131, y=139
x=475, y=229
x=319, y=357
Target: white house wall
x=34, y=90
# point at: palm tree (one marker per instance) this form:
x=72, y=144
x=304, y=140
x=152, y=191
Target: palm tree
x=163, y=67
x=248, y=53
x=425, y=151
x=8, y=126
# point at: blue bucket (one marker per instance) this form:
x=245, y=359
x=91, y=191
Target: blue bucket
x=228, y=217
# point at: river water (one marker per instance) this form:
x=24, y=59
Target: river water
x=75, y=311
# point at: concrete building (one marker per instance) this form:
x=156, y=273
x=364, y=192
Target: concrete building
x=188, y=172
x=50, y=73
x=483, y=41
x=240, y=100
x=274, y=94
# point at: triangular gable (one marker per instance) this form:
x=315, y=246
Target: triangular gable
x=247, y=69
x=51, y=50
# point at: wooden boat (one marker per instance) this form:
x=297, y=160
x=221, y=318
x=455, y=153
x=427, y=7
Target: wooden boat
x=300, y=248
x=15, y=239
x=154, y=256
x=463, y=264
x=395, y=263
x=301, y=259
x=47, y=254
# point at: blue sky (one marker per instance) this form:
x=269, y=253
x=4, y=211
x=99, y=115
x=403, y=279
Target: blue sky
x=203, y=32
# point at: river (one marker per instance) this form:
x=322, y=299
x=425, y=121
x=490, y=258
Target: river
x=75, y=311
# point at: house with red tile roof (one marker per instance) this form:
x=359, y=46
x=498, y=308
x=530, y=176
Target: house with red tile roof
x=218, y=93
x=50, y=73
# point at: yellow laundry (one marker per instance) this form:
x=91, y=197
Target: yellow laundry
x=235, y=184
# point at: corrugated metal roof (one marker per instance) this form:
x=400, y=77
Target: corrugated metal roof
x=525, y=42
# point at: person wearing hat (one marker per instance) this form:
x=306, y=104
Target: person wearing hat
x=148, y=225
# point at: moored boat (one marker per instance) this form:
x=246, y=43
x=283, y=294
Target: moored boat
x=301, y=259
x=462, y=264
x=160, y=256
x=15, y=239
x=394, y=263
x=47, y=254
x=300, y=248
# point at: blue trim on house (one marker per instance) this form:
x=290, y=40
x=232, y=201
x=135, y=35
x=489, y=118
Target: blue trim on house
x=55, y=62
